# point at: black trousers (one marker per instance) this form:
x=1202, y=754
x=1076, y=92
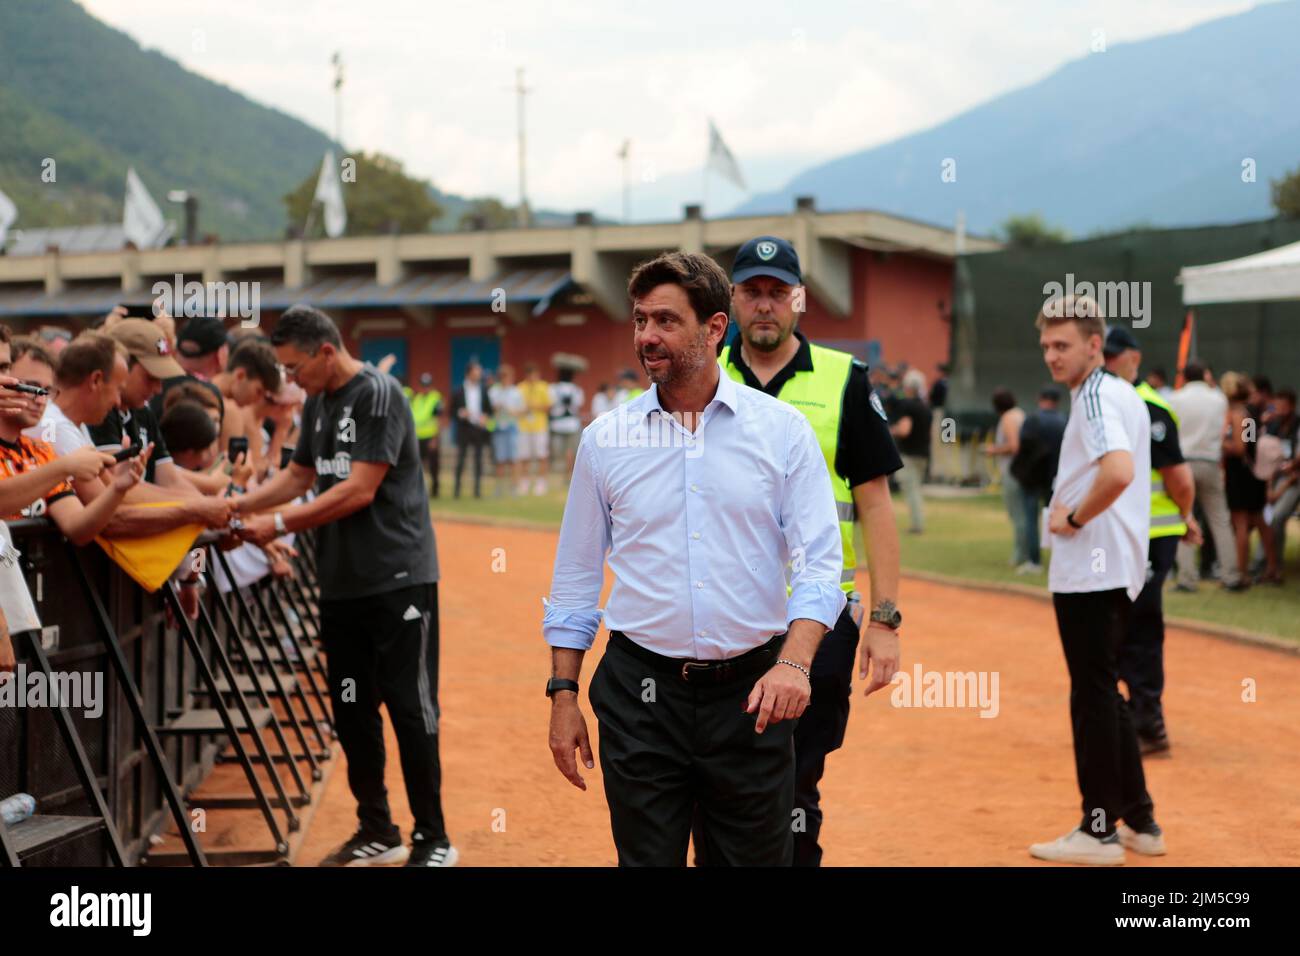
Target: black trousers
x=1142, y=656
x=431, y=456
x=820, y=731
x=675, y=753
x=384, y=648
x=470, y=438
x=1106, y=757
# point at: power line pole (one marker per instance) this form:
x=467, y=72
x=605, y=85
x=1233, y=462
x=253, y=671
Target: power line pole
x=337, y=61
x=521, y=91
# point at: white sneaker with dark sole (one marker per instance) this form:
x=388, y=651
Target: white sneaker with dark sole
x=1148, y=843
x=426, y=853
x=1079, y=847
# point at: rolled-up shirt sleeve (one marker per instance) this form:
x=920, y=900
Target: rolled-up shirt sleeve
x=572, y=616
x=812, y=531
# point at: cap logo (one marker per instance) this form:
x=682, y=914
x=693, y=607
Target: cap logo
x=766, y=250
x=163, y=347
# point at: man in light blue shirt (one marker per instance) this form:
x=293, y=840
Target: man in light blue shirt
x=704, y=496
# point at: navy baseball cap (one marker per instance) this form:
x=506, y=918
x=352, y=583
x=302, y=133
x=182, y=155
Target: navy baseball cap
x=200, y=336
x=767, y=256
x=1119, y=340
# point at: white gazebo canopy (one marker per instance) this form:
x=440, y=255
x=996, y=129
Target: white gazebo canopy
x=1262, y=277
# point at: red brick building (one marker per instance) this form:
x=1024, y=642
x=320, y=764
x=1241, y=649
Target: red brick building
x=878, y=285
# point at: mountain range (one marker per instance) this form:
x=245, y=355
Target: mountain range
x=87, y=96
x=1165, y=131
x=1183, y=128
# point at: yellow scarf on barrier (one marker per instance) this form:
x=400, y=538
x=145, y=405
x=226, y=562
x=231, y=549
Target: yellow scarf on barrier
x=151, y=560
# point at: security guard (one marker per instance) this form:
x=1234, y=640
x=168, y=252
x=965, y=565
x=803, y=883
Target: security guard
x=426, y=406
x=831, y=388
x=1141, y=657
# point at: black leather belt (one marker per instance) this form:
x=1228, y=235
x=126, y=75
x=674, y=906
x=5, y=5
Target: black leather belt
x=704, y=673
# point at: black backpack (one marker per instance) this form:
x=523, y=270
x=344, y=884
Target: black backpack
x=1034, y=464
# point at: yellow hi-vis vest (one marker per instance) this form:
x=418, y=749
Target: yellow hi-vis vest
x=424, y=409
x=1166, y=519
x=819, y=394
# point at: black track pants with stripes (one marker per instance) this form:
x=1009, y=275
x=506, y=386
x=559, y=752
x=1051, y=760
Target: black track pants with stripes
x=384, y=649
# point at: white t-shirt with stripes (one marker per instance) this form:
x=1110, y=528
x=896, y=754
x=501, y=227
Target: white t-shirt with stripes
x=1106, y=414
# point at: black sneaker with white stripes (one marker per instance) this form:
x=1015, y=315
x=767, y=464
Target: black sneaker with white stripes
x=366, y=849
x=426, y=852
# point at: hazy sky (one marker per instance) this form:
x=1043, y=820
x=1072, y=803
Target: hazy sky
x=787, y=83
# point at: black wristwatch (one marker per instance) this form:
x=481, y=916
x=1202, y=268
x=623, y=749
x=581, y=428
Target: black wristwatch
x=560, y=683
x=885, y=613
x=1069, y=519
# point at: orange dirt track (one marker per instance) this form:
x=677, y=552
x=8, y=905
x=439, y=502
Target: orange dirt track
x=910, y=787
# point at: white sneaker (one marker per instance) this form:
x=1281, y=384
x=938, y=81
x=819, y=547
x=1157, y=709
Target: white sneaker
x=1148, y=844
x=1029, y=568
x=1079, y=847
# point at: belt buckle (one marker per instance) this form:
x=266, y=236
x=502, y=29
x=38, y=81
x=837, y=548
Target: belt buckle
x=687, y=665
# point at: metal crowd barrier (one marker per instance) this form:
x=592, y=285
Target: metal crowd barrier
x=245, y=682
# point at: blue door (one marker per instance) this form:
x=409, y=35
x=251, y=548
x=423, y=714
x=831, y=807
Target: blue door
x=485, y=348
x=374, y=351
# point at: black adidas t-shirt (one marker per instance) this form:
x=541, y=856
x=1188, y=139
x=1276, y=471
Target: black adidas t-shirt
x=389, y=544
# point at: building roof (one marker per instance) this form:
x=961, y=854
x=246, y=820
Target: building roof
x=105, y=237
x=532, y=287
x=464, y=268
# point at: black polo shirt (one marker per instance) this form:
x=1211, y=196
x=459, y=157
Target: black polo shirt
x=865, y=449
x=143, y=428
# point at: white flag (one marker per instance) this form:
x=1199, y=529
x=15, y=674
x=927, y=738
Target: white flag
x=329, y=193
x=142, y=220
x=8, y=213
x=720, y=159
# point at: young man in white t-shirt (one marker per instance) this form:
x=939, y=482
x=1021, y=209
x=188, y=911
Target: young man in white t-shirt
x=1099, y=520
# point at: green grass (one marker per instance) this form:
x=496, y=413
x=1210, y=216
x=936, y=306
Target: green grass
x=967, y=537
x=544, y=510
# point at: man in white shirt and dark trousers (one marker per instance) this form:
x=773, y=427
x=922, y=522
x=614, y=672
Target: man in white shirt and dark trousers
x=1099, y=522
x=700, y=492
x=1202, y=413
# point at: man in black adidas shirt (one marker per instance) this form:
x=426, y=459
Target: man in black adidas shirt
x=378, y=578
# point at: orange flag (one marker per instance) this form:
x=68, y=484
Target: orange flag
x=1186, y=346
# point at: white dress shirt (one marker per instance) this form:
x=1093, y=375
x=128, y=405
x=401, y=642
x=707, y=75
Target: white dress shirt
x=1202, y=411
x=473, y=401
x=698, y=529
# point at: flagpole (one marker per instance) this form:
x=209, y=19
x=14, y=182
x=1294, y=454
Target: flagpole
x=623, y=155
